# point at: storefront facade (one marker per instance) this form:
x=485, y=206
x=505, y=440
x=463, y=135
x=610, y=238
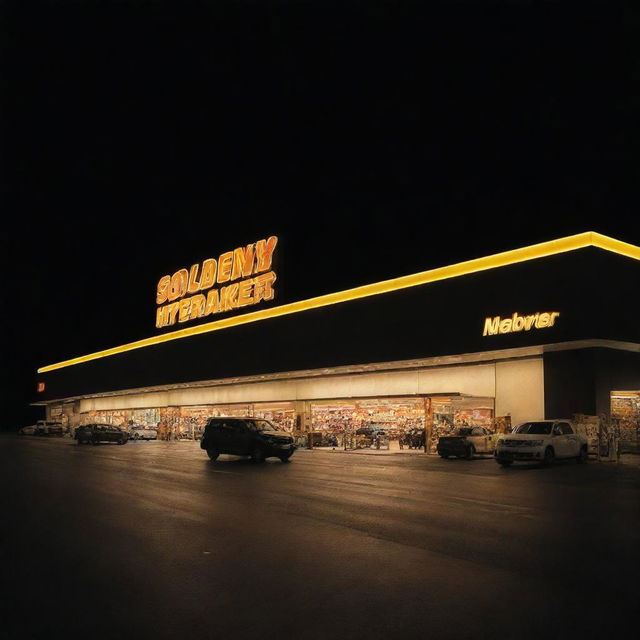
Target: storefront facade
x=394, y=365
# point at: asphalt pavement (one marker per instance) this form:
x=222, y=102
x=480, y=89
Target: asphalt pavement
x=152, y=540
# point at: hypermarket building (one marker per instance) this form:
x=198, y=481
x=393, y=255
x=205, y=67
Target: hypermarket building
x=544, y=331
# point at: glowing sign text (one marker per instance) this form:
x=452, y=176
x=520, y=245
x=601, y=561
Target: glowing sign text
x=247, y=270
x=498, y=325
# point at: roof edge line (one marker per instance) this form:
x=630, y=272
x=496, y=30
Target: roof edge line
x=476, y=265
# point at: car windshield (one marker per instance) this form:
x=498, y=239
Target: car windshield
x=263, y=425
x=464, y=431
x=538, y=428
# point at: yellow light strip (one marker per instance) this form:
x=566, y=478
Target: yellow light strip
x=542, y=250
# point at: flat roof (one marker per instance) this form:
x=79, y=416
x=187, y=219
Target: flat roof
x=494, y=261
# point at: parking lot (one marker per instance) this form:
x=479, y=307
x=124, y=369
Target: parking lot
x=153, y=540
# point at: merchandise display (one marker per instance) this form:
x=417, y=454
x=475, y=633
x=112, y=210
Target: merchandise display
x=397, y=424
x=385, y=423
x=589, y=427
x=282, y=415
x=625, y=417
x=459, y=411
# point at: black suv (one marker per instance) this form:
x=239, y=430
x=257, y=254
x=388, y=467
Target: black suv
x=246, y=437
x=97, y=433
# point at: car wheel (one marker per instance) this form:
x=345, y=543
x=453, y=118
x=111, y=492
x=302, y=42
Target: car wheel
x=504, y=463
x=95, y=442
x=285, y=458
x=584, y=455
x=121, y=441
x=213, y=454
x=135, y=436
x=470, y=452
x=549, y=457
x=257, y=455
x=444, y=455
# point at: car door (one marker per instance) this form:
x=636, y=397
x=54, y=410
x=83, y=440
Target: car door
x=560, y=443
x=490, y=440
x=241, y=438
x=571, y=440
x=219, y=435
x=478, y=440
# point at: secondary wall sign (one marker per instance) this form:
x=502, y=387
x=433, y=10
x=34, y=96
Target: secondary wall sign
x=498, y=325
x=234, y=280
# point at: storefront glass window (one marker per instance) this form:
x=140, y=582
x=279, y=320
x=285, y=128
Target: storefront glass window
x=456, y=412
x=625, y=416
x=380, y=423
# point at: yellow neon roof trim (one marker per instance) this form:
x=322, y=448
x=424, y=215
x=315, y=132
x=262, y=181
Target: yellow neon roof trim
x=541, y=250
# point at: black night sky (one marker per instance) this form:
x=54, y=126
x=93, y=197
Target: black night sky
x=375, y=138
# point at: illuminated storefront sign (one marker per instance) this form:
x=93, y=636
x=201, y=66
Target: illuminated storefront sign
x=498, y=325
x=245, y=273
x=539, y=251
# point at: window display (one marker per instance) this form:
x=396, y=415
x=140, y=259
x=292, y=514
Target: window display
x=625, y=416
x=390, y=424
x=380, y=423
x=459, y=411
x=281, y=414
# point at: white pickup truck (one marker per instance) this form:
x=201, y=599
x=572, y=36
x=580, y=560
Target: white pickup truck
x=541, y=441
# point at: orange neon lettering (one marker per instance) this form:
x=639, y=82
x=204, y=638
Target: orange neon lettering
x=172, y=311
x=245, y=292
x=264, y=287
x=229, y=297
x=178, y=284
x=194, y=285
x=243, y=262
x=197, y=307
x=208, y=275
x=183, y=314
x=225, y=264
x=162, y=317
x=163, y=289
x=213, y=303
x=264, y=253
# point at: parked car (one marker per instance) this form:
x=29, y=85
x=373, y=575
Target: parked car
x=29, y=430
x=142, y=432
x=465, y=442
x=43, y=428
x=253, y=437
x=97, y=433
x=541, y=441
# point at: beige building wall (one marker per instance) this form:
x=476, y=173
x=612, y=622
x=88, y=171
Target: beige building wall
x=517, y=386
x=520, y=389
